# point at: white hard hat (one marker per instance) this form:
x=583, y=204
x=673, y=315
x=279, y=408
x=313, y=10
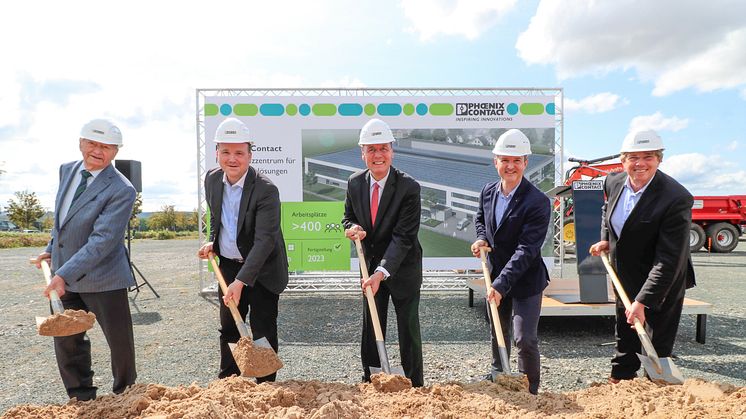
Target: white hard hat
x=647, y=140
x=512, y=143
x=376, y=131
x=232, y=131
x=102, y=131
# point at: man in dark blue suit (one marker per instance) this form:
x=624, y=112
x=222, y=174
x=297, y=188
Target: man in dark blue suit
x=512, y=220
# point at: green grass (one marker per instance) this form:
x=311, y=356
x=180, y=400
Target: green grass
x=9, y=240
x=431, y=222
x=438, y=245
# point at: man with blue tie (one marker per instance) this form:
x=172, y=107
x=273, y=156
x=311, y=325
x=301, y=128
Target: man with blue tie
x=645, y=229
x=513, y=219
x=90, y=267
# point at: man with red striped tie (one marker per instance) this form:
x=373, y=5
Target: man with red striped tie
x=382, y=209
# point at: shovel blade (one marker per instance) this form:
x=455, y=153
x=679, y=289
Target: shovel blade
x=394, y=370
x=670, y=373
x=262, y=343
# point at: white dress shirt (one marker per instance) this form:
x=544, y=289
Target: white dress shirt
x=624, y=206
x=68, y=199
x=229, y=218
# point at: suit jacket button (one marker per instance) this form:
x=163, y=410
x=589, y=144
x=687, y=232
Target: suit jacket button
x=61, y=246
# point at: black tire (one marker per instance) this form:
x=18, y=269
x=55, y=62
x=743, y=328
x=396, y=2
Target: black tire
x=696, y=237
x=723, y=237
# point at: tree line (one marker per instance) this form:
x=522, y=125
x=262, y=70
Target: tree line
x=26, y=212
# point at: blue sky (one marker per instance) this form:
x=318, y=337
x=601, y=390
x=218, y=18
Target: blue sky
x=675, y=66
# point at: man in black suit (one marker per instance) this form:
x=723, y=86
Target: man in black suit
x=245, y=234
x=645, y=228
x=382, y=209
x=512, y=220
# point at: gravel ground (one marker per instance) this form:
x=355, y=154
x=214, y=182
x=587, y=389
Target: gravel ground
x=176, y=335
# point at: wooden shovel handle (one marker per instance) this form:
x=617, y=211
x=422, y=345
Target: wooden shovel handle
x=223, y=286
x=493, y=306
x=644, y=338
x=54, y=298
x=369, y=292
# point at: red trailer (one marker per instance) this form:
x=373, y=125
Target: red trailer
x=717, y=221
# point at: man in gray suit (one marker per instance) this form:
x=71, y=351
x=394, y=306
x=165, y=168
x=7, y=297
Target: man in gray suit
x=245, y=234
x=90, y=267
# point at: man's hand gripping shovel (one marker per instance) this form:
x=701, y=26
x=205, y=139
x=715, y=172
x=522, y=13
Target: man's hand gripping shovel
x=656, y=368
x=380, y=344
x=254, y=359
x=62, y=322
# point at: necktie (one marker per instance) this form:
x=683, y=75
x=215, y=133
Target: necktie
x=82, y=185
x=374, y=204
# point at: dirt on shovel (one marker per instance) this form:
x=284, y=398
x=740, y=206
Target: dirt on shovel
x=255, y=361
x=63, y=322
x=67, y=323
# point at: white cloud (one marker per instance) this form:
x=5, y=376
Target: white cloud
x=467, y=18
x=598, y=103
x=90, y=59
x=700, y=176
x=678, y=44
x=732, y=146
x=657, y=122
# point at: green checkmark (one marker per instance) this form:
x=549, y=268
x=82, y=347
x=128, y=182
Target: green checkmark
x=337, y=247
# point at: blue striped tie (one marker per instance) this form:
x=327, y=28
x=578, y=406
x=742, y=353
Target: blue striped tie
x=82, y=185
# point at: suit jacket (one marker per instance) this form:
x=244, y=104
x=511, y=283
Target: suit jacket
x=392, y=243
x=652, y=255
x=259, y=237
x=87, y=247
x=515, y=259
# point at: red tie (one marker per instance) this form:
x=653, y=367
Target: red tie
x=374, y=204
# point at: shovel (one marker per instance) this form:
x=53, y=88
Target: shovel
x=380, y=344
x=501, y=348
x=260, y=349
x=656, y=368
x=61, y=322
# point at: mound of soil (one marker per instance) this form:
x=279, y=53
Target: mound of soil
x=239, y=397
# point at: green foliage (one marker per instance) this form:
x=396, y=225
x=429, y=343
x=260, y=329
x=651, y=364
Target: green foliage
x=164, y=235
x=25, y=209
x=165, y=219
x=136, y=210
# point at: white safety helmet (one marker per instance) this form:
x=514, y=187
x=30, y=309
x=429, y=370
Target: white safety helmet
x=647, y=140
x=376, y=131
x=512, y=143
x=232, y=131
x=102, y=131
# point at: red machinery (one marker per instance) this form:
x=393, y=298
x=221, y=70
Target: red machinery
x=717, y=221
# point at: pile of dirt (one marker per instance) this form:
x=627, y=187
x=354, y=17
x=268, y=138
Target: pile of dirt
x=67, y=323
x=238, y=397
x=255, y=361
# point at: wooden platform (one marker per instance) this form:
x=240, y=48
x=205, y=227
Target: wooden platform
x=553, y=305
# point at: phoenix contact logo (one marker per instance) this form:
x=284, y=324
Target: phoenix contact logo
x=480, y=109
